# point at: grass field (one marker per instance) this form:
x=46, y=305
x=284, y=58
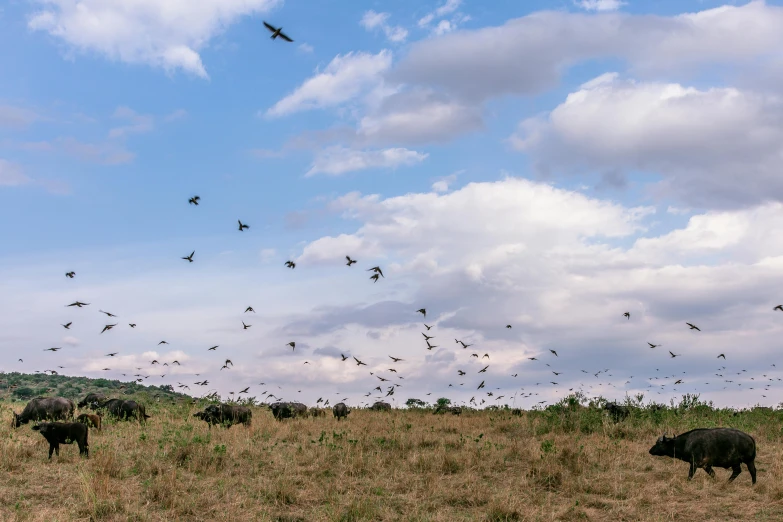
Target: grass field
x=399, y=465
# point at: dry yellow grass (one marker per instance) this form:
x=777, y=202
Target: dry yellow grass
x=400, y=465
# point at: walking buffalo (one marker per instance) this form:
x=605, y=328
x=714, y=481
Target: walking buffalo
x=64, y=433
x=707, y=447
x=90, y=420
x=340, y=410
x=90, y=398
x=45, y=408
x=123, y=409
x=288, y=410
x=225, y=414
x=381, y=406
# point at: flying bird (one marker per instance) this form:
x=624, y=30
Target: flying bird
x=132, y=325
x=377, y=270
x=427, y=337
x=190, y=257
x=194, y=200
x=245, y=390
x=427, y=326
x=422, y=311
x=245, y=326
x=653, y=345
x=673, y=355
x=343, y=356
x=242, y=226
x=627, y=315
x=213, y=348
x=292, y=344
x=358, y=362
x=395, y=359
x=779, y=307
x=277, y=31
x=290, y=264
x=554, y=352
x=50, y=350
x=78, y=304
x=108, y=327
x=111, y=354
x=508, y=326
x=374, y=277
x=70, y=274
x=67, y=326
x=693, y=326
x=249, y=309
x=721, y=355
x=350, y=261
x=162, y=342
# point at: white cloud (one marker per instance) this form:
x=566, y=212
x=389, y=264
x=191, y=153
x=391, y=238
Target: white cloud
x=16, y=117
x=600, y=5
x=306, y=48
x=338, y=160
x=343, y=79
x=139, y=123
x=162, y=34
x=175, y=115
x=447, y=8
x=12, y=174
x=706, y=144
x=443, y=184
x=528, y=54
x=372, y=20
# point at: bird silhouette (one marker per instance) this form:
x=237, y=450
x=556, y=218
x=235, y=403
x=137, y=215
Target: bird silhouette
x=213, y=348
x=721, y=355
x=78, y=304
x=162, y=342
x=194, y=200
x=132, y=325
x=108, y=327
x=277, y=31
x=779, y=307
x=111, y=354
x=245, y=326
x=427, y=326
x=67, y=326
x=693, y=327
x=377, y=270
x=427, y=337
x=50, y=350
x=292, y=344
x=249, y=309
x=70, y=274
x=422, y=311
x=242, y=226
x=395, y=359
x=673, y=355
x=374, y=277
x=190, y=257
x=350, y=261
x=653, y=345
x=627, y=315
x=358, y=362
x=290, y=264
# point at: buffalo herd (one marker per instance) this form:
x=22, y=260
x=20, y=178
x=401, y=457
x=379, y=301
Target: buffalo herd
x=702, y=448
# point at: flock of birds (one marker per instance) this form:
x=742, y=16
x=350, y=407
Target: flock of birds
x=388, y=378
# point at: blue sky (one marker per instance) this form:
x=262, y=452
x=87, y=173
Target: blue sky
x=550, y=169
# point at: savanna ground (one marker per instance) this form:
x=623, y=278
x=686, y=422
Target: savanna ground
x=560, y=464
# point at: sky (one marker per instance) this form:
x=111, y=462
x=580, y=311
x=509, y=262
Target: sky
x=545, y=165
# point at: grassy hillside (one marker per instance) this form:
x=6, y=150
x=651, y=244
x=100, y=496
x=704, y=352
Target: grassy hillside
x=22, y=387
x=564, y=463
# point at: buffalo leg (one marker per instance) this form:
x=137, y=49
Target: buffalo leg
x=51, y=450
x=56, y=450
x=735, y=471
x=692, y=470
x=709, y=470
x=752, y=470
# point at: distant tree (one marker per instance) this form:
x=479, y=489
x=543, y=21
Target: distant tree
x=166, y=387
x=23, y=393
x=443, y=402
x=415, y=403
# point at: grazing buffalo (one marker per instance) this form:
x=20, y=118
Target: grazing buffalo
x=707, y=447
x=123, y=409
x=288, y=410
x=90, y=420
x=617, y=412
x=340, y=410
x=225, y=414
x=300, y=410
x=92, y=397
x=381, y=406
x=517, y=412
x=64, y=433
x=317, y=412
x=45, y=408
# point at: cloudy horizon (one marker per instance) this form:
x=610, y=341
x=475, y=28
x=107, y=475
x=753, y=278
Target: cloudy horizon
x=550, y=168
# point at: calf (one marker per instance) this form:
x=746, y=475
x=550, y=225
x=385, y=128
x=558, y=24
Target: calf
x=64, y=433
x=707, y=447
x=90, y=420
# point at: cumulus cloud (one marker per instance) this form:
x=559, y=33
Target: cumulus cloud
x=706, y=144
x=527, y=55
x=444, y=26
x=443, y=184
x=138, y=123
x=11, y=174
x=372, y=20
x=599, y=5
x=161, y=34
x=343, y=79
x=338, y=160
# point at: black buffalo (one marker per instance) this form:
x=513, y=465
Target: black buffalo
x=381, y=406
x=122, y=409
x=317, y=412
x=454, y=410
x=517, y=412
x=225, y=414
x=617, y=412
x=340, y=410
x=64, y=433
x=90, y=398
x=288, y=410
x=707, y=447
x=45, y=408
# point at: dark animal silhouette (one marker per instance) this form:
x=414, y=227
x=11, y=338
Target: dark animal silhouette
x=64, y=433
x=617, y=412
x=45, y=408
x=225, y=414
x=340, y=411
x=707, y=447
x=381, y=406
x=90, y=398
x=90, y=420
x=122, y=409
